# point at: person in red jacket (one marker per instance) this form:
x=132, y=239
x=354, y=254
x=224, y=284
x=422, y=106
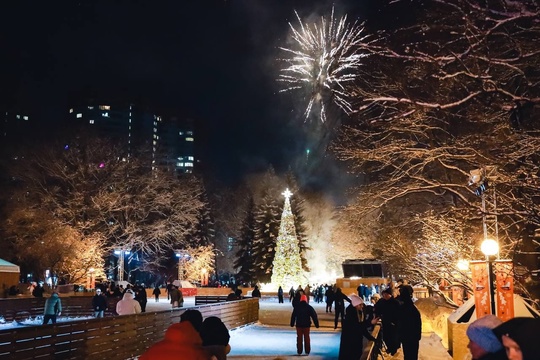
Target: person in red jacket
x=182, y=341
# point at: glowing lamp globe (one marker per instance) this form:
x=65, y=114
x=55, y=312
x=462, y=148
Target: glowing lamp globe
x=489, y=247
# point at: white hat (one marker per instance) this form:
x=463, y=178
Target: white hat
x=355, y=300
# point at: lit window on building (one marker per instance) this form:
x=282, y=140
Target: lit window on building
x=188, y=164
x=180, y=133
x=189, y=171
x=25, y=117
x=70, y=111
x=180, y=158
x=90, y=108
x=105, y=114
x=189, y=133
x=91, y=121
x=104, y=107
x=189, y=139
x=179, y=164
x=190, y=158
x=79, y=115
x=155, y=130
x=154, y=142
x=18, y=116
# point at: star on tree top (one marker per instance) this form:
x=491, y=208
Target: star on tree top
x=287, y=193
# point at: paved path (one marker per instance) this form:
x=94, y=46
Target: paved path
x=273, y=338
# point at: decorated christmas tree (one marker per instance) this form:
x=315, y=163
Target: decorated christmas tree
x=287, y=265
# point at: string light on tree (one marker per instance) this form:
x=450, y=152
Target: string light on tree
x=287, y=264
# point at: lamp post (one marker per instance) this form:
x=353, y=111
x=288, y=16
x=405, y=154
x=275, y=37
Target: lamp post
x=181, y=255
x=490, y=248
x=92, y=278
x=121, y=253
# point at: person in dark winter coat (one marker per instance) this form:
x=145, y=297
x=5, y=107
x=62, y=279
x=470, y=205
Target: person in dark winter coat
x=215, y=337
x=256, y=292
x=296, y=299
x=280, y=295
x=339, y=300
x=354, y=327
x=38, y=291
x=99, y=304
x=519, y=337
x=387, y=308
x=302, y=315
x=483, y=343
x=156, y=292
x=140, y=296
x=409, y=326
x=53, y=308
x=329, y=298
x=291, y=294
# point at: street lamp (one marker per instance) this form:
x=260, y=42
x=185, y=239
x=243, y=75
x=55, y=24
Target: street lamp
x=182, y=255
x=121, y=253
x=490, y=248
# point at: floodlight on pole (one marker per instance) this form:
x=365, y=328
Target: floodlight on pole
x=490, y=248
x=182, y=256
x=121, y=252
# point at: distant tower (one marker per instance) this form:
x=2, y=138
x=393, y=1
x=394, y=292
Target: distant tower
x=287, y=265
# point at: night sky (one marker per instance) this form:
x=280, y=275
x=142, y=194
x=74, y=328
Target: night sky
x=215, y=61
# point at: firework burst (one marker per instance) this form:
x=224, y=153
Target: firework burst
x=326, y=57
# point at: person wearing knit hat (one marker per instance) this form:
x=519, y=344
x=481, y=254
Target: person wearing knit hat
x=215, y=337
x=302, y=315
x=353, y=328
x=483, y=344
x=519, y=337
x=355, y=300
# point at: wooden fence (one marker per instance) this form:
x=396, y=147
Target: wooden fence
x=118, y=337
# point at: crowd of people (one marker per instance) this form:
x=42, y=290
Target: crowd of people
x=392, y=306
x=401, y=320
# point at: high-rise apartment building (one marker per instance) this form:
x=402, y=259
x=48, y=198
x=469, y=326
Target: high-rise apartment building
x=14, y=126
x=169, y=140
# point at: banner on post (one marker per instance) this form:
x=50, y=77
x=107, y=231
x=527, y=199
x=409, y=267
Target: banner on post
x=504, y=272
x=457, y=295
x=480, y=281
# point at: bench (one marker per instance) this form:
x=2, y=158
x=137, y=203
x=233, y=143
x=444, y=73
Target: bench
x=209, y=299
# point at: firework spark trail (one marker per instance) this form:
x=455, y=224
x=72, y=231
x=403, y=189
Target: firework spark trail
x=327, y=57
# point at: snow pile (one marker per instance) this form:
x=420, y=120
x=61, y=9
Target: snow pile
x=36, y=321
